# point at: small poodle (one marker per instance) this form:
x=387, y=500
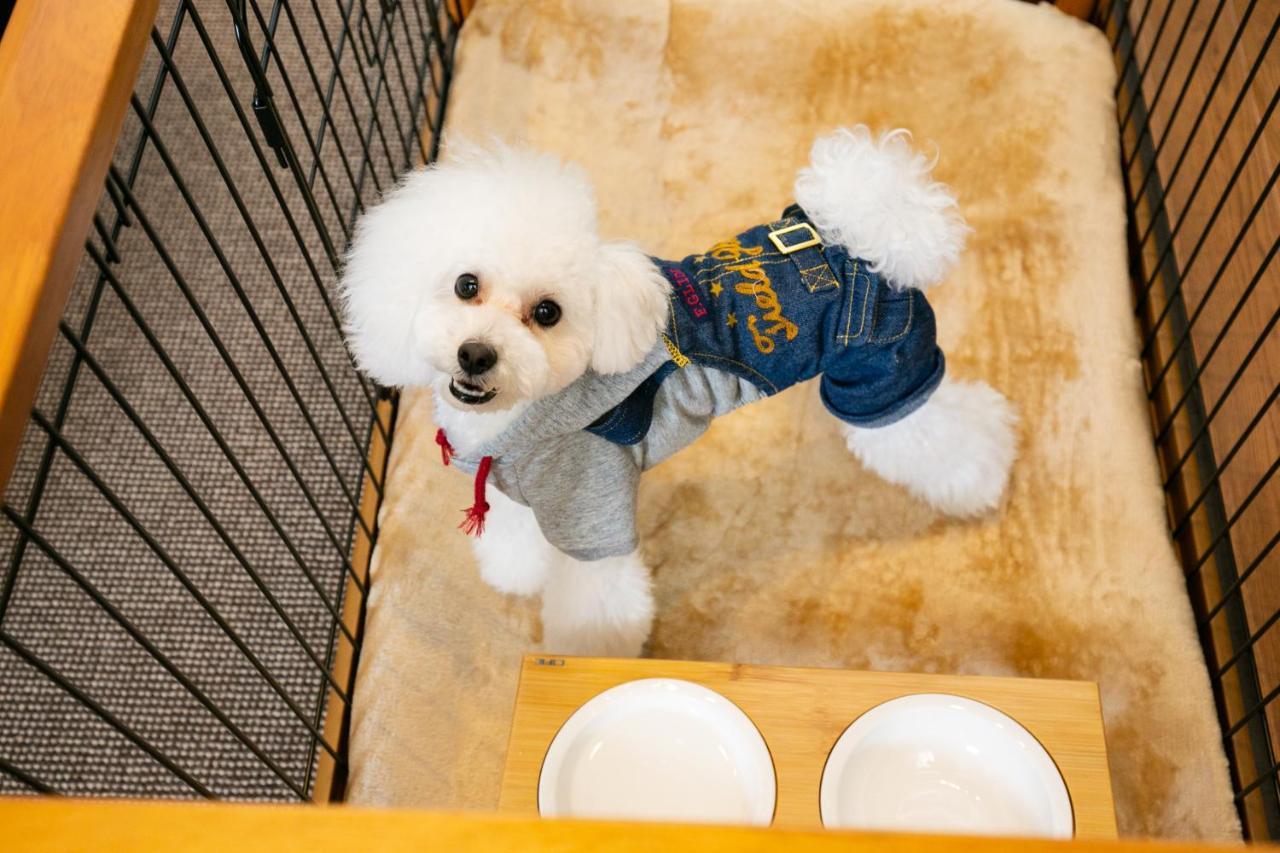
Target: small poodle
x=564, y=365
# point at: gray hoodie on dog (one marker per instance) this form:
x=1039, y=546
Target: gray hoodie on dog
x=581, y=487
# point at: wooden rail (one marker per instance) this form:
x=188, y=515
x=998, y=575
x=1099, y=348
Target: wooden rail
x=330, y=777
x=44, y=825
x=1082, y=9
x=66, y=70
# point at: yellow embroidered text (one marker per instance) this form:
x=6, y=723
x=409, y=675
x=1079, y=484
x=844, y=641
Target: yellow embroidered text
x=757, y=284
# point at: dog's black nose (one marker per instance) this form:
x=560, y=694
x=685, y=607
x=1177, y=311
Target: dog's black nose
x=475, y=358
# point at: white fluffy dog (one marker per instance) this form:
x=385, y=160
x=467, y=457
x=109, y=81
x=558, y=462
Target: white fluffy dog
x=563, y=364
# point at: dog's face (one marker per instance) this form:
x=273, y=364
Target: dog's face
x=506, y=322
x=484, y=277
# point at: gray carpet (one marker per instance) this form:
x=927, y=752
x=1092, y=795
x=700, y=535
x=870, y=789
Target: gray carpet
x=49, y=736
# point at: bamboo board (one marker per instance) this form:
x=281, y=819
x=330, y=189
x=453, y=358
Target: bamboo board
x=802, y=712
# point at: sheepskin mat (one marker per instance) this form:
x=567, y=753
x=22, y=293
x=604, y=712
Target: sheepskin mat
x=770, y=544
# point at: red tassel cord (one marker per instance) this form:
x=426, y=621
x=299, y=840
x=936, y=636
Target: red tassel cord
x=473, y=524
x=446, y=449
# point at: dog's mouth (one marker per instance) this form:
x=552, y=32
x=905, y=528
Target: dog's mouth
x=470, y=393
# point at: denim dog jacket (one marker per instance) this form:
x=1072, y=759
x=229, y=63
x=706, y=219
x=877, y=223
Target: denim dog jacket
x=775, y=307
x=750, y=317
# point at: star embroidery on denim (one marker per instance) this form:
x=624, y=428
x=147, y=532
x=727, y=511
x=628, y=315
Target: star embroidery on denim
x=716, y=289
x=731, y=320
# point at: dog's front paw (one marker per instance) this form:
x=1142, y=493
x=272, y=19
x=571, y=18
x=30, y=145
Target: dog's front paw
x=598, y=609
x=513, y=565
x=513, y=556
x=524, y=574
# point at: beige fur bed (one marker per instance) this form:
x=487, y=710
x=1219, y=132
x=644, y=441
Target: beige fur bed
x=769, y=542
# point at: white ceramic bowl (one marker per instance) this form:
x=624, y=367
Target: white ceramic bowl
x=659, y=749
x=936, y=763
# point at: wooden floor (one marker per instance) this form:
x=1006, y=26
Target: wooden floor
x=1203, y=62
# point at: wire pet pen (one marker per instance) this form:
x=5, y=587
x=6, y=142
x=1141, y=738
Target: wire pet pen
x=196, y=493
x=1197, y=93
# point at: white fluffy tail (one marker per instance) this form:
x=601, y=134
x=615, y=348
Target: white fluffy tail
x=955, y=451
x=876, y=197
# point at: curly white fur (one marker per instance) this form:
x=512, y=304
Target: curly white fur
x=955, y=451
x=876, y=197
x=524, y=225
x=602, y=608
x=631, y=308
x=515, y=558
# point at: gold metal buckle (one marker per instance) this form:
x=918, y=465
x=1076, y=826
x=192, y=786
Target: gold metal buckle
x=813, y=240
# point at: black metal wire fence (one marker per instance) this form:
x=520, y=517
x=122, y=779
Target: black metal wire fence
x=178, y=583
x=1199, y=83
x=177, y=580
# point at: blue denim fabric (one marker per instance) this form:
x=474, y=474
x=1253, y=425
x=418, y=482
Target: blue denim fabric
x=776, y=312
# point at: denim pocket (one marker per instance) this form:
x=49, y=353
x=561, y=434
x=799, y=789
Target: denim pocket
x=855, y=313
x=893, y=315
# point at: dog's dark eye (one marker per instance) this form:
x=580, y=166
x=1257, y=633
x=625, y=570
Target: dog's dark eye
x=467, y=286
x=546, y=313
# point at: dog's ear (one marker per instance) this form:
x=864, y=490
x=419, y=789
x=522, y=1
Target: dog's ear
x=631, y=307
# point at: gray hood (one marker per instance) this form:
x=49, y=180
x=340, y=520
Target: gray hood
x=568, y=411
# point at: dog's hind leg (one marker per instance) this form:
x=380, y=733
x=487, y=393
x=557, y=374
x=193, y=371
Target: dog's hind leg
x=514, y=556
x=955, y=451
x=603, y=608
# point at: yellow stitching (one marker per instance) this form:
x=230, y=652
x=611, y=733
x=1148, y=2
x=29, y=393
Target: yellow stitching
x=911, y=309
x=826, y=276
x=719, y=266
x=758, y=285
x=745, y=367
x=866, y=297
x=853, y=293
x=675, y=327
x=722, y=273
x=848, y=314
x=678, y=357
